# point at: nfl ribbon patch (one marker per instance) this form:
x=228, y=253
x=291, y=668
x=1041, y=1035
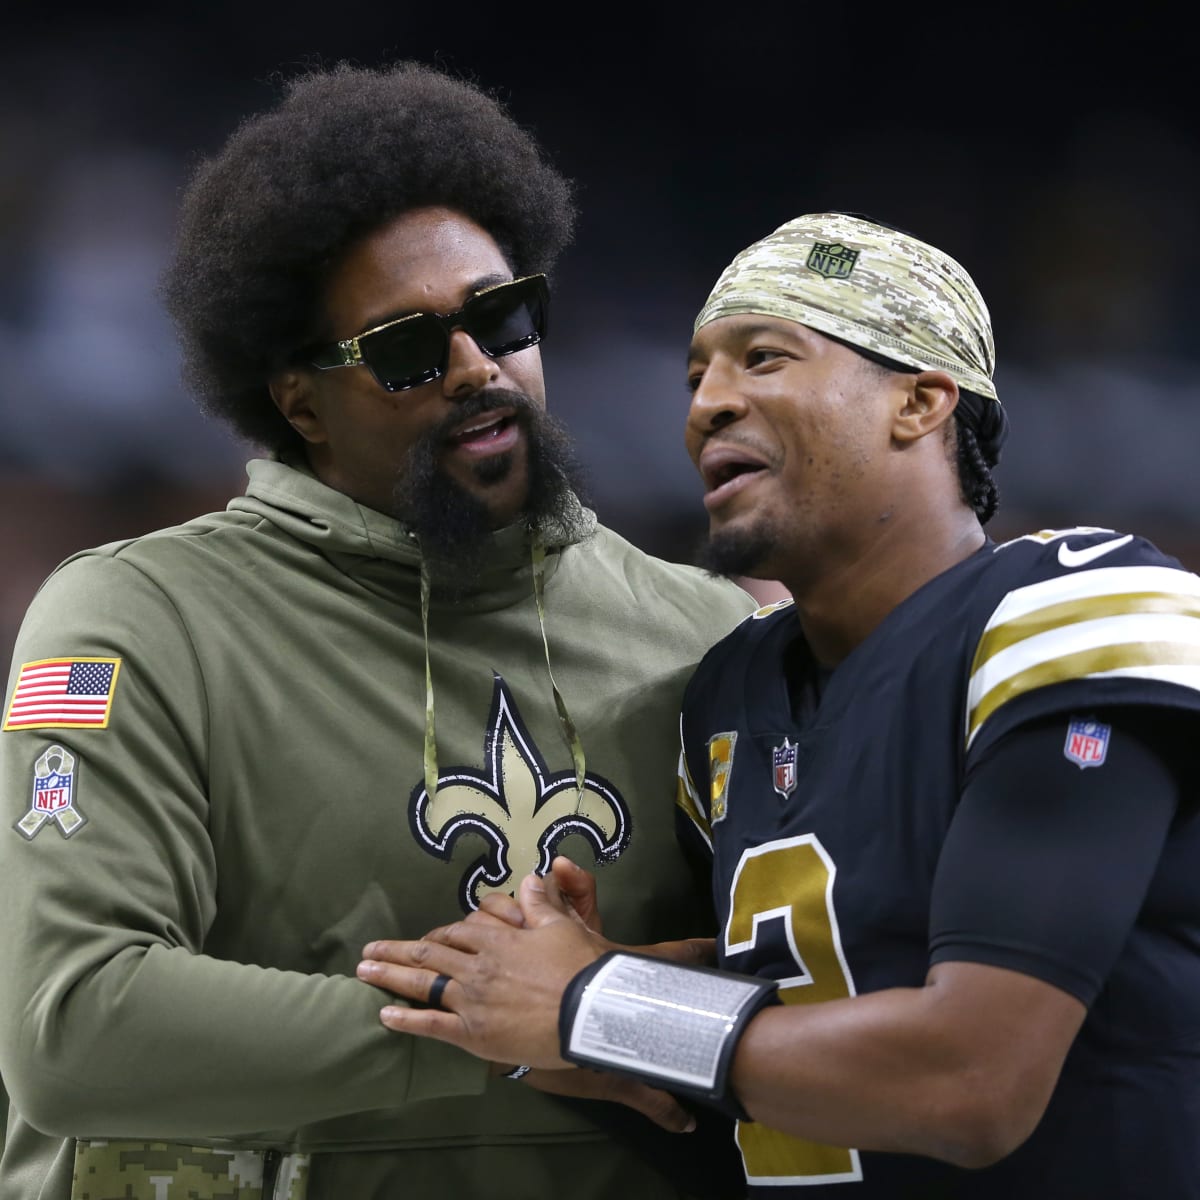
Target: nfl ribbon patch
x=1087, y=743
x=53, y=795
x=63, y=693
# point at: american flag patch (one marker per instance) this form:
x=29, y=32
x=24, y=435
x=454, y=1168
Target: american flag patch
x=63, y=692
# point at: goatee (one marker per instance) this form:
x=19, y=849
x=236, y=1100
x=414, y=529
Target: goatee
x=451, y=523
x=736, y=552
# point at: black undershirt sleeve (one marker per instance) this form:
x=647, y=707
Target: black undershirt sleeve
x=1047, y=864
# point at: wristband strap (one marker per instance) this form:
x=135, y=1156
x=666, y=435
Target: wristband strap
x=516, y=1073
x=668, y=1025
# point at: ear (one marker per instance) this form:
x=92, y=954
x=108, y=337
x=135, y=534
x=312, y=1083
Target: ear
x=294, y=396
x=930, y=400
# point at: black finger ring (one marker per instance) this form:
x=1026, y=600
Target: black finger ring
x=436, y=990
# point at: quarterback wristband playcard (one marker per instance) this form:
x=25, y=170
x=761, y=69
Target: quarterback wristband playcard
x=672, y=1026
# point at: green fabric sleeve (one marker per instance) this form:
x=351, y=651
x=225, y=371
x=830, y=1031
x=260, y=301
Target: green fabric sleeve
x=112, y=1019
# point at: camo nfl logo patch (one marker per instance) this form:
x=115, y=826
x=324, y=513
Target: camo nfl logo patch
x=53, y=795
x=783, y=764
x=832, y=259
x=1087, y=743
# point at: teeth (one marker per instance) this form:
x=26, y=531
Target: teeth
x=476, y=428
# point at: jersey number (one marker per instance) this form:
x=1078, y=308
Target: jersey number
x=792, y=880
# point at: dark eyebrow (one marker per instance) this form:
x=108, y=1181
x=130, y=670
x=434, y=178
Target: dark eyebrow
x=476, y=286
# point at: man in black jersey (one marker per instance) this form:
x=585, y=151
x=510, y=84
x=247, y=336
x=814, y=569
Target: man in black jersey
x=948, y=791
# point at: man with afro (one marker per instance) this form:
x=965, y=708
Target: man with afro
x=407, y=667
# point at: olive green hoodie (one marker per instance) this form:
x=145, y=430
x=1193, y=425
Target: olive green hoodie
x=212, y=811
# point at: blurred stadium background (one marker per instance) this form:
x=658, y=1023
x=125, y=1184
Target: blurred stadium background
x=1056, y=154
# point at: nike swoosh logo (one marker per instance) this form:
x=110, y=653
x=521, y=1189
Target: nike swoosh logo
x=1080, y=558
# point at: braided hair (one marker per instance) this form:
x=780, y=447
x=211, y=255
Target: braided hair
x=976, y=484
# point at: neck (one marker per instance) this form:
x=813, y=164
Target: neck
x=841, y=599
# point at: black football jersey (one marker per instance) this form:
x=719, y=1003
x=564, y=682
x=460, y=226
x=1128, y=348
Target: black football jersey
x=824, y=799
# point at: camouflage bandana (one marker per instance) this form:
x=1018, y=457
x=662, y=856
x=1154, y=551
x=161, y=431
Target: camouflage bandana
x=871, y=286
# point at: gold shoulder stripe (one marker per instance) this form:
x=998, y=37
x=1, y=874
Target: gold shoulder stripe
x=1137, y=621
x=1091, y=608
x=1133, y=659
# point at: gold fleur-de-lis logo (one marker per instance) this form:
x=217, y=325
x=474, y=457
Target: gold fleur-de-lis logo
x=516, y=807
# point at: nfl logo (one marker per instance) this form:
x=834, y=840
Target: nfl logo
x=783, y=761
x=832, y=259
x=51, y=793
x=1087, y=743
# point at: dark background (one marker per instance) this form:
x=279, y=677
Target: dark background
x=1054, y=150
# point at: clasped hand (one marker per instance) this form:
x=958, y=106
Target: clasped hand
x=508, y=964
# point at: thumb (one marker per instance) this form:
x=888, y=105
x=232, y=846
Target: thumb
x=579, y=888
x=542, y=903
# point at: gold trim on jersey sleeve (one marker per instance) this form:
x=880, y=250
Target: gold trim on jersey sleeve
x=1143, y=660
x=1055, y=616
x=1137, y=622
x=687, y=799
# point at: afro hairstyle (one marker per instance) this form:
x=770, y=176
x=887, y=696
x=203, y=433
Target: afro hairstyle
x=346, y=150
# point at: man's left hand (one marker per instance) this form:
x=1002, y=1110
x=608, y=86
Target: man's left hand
x=505, y=983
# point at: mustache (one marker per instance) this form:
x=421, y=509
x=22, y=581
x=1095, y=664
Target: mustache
x=526, y=408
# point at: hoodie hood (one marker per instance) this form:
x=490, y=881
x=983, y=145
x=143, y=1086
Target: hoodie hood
x=370, y=545
x=516, y=562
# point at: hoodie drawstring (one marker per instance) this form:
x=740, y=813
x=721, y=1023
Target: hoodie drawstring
x=431, y=767
x=538, y=557
x=538, y=554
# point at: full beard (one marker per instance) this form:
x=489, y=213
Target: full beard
x=452, y=524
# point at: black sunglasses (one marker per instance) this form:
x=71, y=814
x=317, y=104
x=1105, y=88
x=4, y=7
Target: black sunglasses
x=413, y=350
